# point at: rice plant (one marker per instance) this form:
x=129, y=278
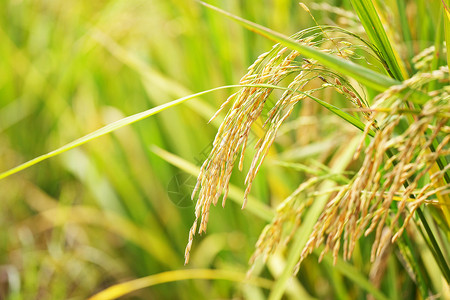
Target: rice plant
x=404, y=165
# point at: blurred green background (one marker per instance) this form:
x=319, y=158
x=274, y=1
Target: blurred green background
x=102, y=214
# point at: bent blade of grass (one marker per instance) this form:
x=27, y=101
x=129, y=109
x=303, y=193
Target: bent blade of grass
x=145, y=114
x=366, y=76
x=110, y=128
x=124, y=288
x=337, y=111
x=370, y=19
x=104, y=130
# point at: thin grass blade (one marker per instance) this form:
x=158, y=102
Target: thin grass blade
x=105, y=130
x=368, y=16
x=347, y=117
x=368, y=77
x=150, y=112
x=121, y=289
x=364, y=75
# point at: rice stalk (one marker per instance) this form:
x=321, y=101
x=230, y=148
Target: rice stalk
x=233, y=134
x=365, y=205
x=383, y=196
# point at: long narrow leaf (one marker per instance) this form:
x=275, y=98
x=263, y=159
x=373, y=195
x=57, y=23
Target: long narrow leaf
x=121, y=289
x=374, y=28
x=145, y=114
x=368, y=77
x=364, y=75
x=347, y=117
x=108, y=129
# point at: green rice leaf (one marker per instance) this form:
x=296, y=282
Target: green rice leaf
x=374, y=28
x=150, y=112
x=368, y=77
x=347, y=117
x=121, y=289
x=108, y=129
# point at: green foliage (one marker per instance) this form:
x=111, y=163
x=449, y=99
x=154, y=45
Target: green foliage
x=346, y=145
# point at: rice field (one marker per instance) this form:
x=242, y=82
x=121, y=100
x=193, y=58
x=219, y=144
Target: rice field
x=224, y=150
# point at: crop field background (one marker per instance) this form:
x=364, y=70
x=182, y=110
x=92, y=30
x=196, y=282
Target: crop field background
x=116, y=211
